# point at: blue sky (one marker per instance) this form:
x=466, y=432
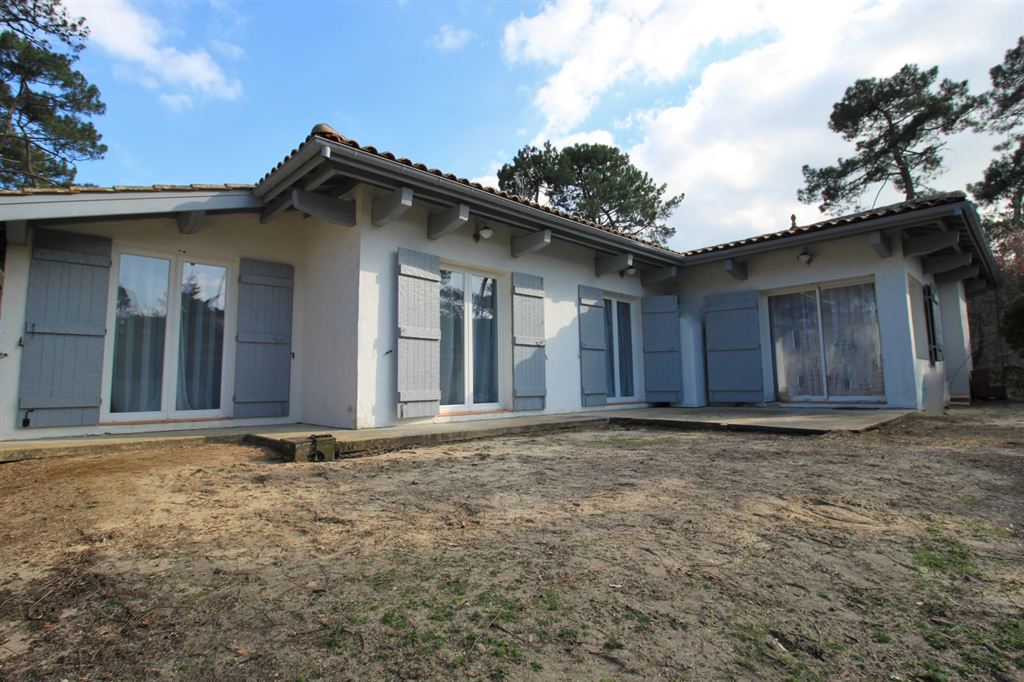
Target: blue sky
x=721, y=100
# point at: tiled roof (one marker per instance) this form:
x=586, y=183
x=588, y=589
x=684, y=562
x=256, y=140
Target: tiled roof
x=939, y=199
x=326, y=132
x=25, y=191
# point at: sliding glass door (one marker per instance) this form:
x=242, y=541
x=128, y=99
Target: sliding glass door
x=827, y=345
x=167, y=356
x=469, y=341
x=618, y=335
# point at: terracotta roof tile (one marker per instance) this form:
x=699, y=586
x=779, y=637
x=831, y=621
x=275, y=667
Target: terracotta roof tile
x=326, y=132
x=938, y=199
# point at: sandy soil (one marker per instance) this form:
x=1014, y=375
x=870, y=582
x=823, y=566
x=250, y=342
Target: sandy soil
x=601, y=554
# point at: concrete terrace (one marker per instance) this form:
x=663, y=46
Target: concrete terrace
x=292, y=440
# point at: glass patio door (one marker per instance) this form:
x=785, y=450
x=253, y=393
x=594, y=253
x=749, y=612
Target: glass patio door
x=168, y=342
x=827, y=345
x=469, y=341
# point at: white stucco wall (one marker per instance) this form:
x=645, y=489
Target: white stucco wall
x=328, y=336
x=956, y=338
x=226, y=238
x=843, y=259
x=563, y=266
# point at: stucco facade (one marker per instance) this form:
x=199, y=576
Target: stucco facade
x=330, y=223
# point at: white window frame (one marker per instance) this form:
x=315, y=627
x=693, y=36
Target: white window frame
x=824, y=397
x=169, y=387
x=503, y=312
x=637, y=349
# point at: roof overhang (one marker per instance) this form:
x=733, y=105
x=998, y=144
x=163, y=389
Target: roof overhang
x=960, y=216
x=88, y=205
x=318, y=157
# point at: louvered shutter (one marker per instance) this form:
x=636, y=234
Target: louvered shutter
x=733, y=345
x=419, y=334
x=593, y=371
x=529, y=387
x=263, y=352
x=65, y=323
x=663, y=373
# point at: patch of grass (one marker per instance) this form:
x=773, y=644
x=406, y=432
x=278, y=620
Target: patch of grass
x=395, y=619
x=343, y=641
x=944, y=555
x=550, y=599
x=881, y=636
x=570, y=635
x=613, y=643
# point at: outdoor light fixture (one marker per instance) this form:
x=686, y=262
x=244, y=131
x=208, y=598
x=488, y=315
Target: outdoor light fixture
x=805, y=257
x=483, y=231
x=629, y=271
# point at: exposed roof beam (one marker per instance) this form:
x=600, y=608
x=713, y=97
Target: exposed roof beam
x=736, y=269
x=17, y=232
x=880, y=243
x=606, y=265
x=335, y=211
x=965, y=272
x=189, y=222
x=278, y=205
x=973, y=287
x=934, y=264
x=439, y=190
x=528, y=243
x=652, y=277
x=391, y=206
x=448, y=220
x=930, y=243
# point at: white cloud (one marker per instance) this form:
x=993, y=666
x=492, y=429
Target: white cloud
x=589, y=136
x=177, y=102
x=450, y=39
x=228, y=49
x=486, y=180
x=138, y=41
x=739, y=130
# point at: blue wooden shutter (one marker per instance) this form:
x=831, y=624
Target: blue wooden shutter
x=663, y=368
x=65, y=322
x=733, y=345
x=263, y=352
x=593, y=371
x=529, y=387
x=419, y=334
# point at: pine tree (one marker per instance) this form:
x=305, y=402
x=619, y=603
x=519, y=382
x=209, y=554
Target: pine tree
x=44, y=101
x=898, y=125
x=1002, y=185
x=596, y=182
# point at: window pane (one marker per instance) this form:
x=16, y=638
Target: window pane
x=794, y=323
x=453, y=331
x=485, y=340
x=853, y=350
x=625, y=349
x=139, y=328
x=201, y=340
x=609, y=346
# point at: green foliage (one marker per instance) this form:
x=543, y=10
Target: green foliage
x=596, y=182
x=898, y=126
x=1011, y=326
x=1002, y=184
x=44, y=101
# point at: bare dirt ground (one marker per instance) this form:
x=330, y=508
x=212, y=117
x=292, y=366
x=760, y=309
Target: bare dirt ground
x=603, y=554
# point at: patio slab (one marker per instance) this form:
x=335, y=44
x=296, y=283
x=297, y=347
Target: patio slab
x=291, y=441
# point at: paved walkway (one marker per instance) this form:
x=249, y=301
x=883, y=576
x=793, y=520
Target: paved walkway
x=292, y=440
